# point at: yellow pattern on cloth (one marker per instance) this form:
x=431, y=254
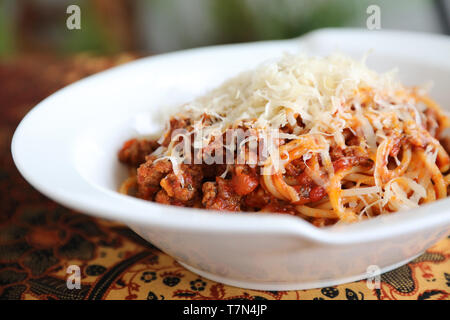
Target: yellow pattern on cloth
x=139, y=271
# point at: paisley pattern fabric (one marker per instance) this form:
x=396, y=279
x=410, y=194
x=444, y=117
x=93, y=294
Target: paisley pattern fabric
x=39, y=239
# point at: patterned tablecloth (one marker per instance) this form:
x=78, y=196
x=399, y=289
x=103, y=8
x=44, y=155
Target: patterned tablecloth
x=39, y=239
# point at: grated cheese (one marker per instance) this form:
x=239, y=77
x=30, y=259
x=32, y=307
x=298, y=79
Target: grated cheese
x=313, y=88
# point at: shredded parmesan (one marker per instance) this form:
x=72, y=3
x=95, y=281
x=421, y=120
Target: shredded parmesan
x=359, y=191
x=313, y=88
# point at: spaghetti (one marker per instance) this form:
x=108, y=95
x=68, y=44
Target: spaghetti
x=326, y=139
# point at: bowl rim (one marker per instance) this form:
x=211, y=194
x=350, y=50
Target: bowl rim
x=112, y=205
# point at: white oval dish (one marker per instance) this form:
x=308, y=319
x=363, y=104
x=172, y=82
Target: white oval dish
x=66, y=147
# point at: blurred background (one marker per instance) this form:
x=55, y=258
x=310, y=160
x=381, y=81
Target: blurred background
x=109, y=27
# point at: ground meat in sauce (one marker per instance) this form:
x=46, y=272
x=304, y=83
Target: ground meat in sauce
x=164, y=198
x=257, y=199
x=187, y=189
x=149, y=175
x=152, y=176
x=350, y=138
x=338, y=153
x=210, y=172
x=220, y=195
x=244, y=180
x=134, y=151
x=307, y=189
x=347, y=162
x=295, y=167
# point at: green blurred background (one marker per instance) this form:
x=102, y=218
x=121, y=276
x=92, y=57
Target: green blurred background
x=155, y=26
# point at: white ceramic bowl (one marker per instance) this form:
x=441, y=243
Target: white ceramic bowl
x=66, y=147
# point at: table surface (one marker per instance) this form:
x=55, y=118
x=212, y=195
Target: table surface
x=40, y=239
